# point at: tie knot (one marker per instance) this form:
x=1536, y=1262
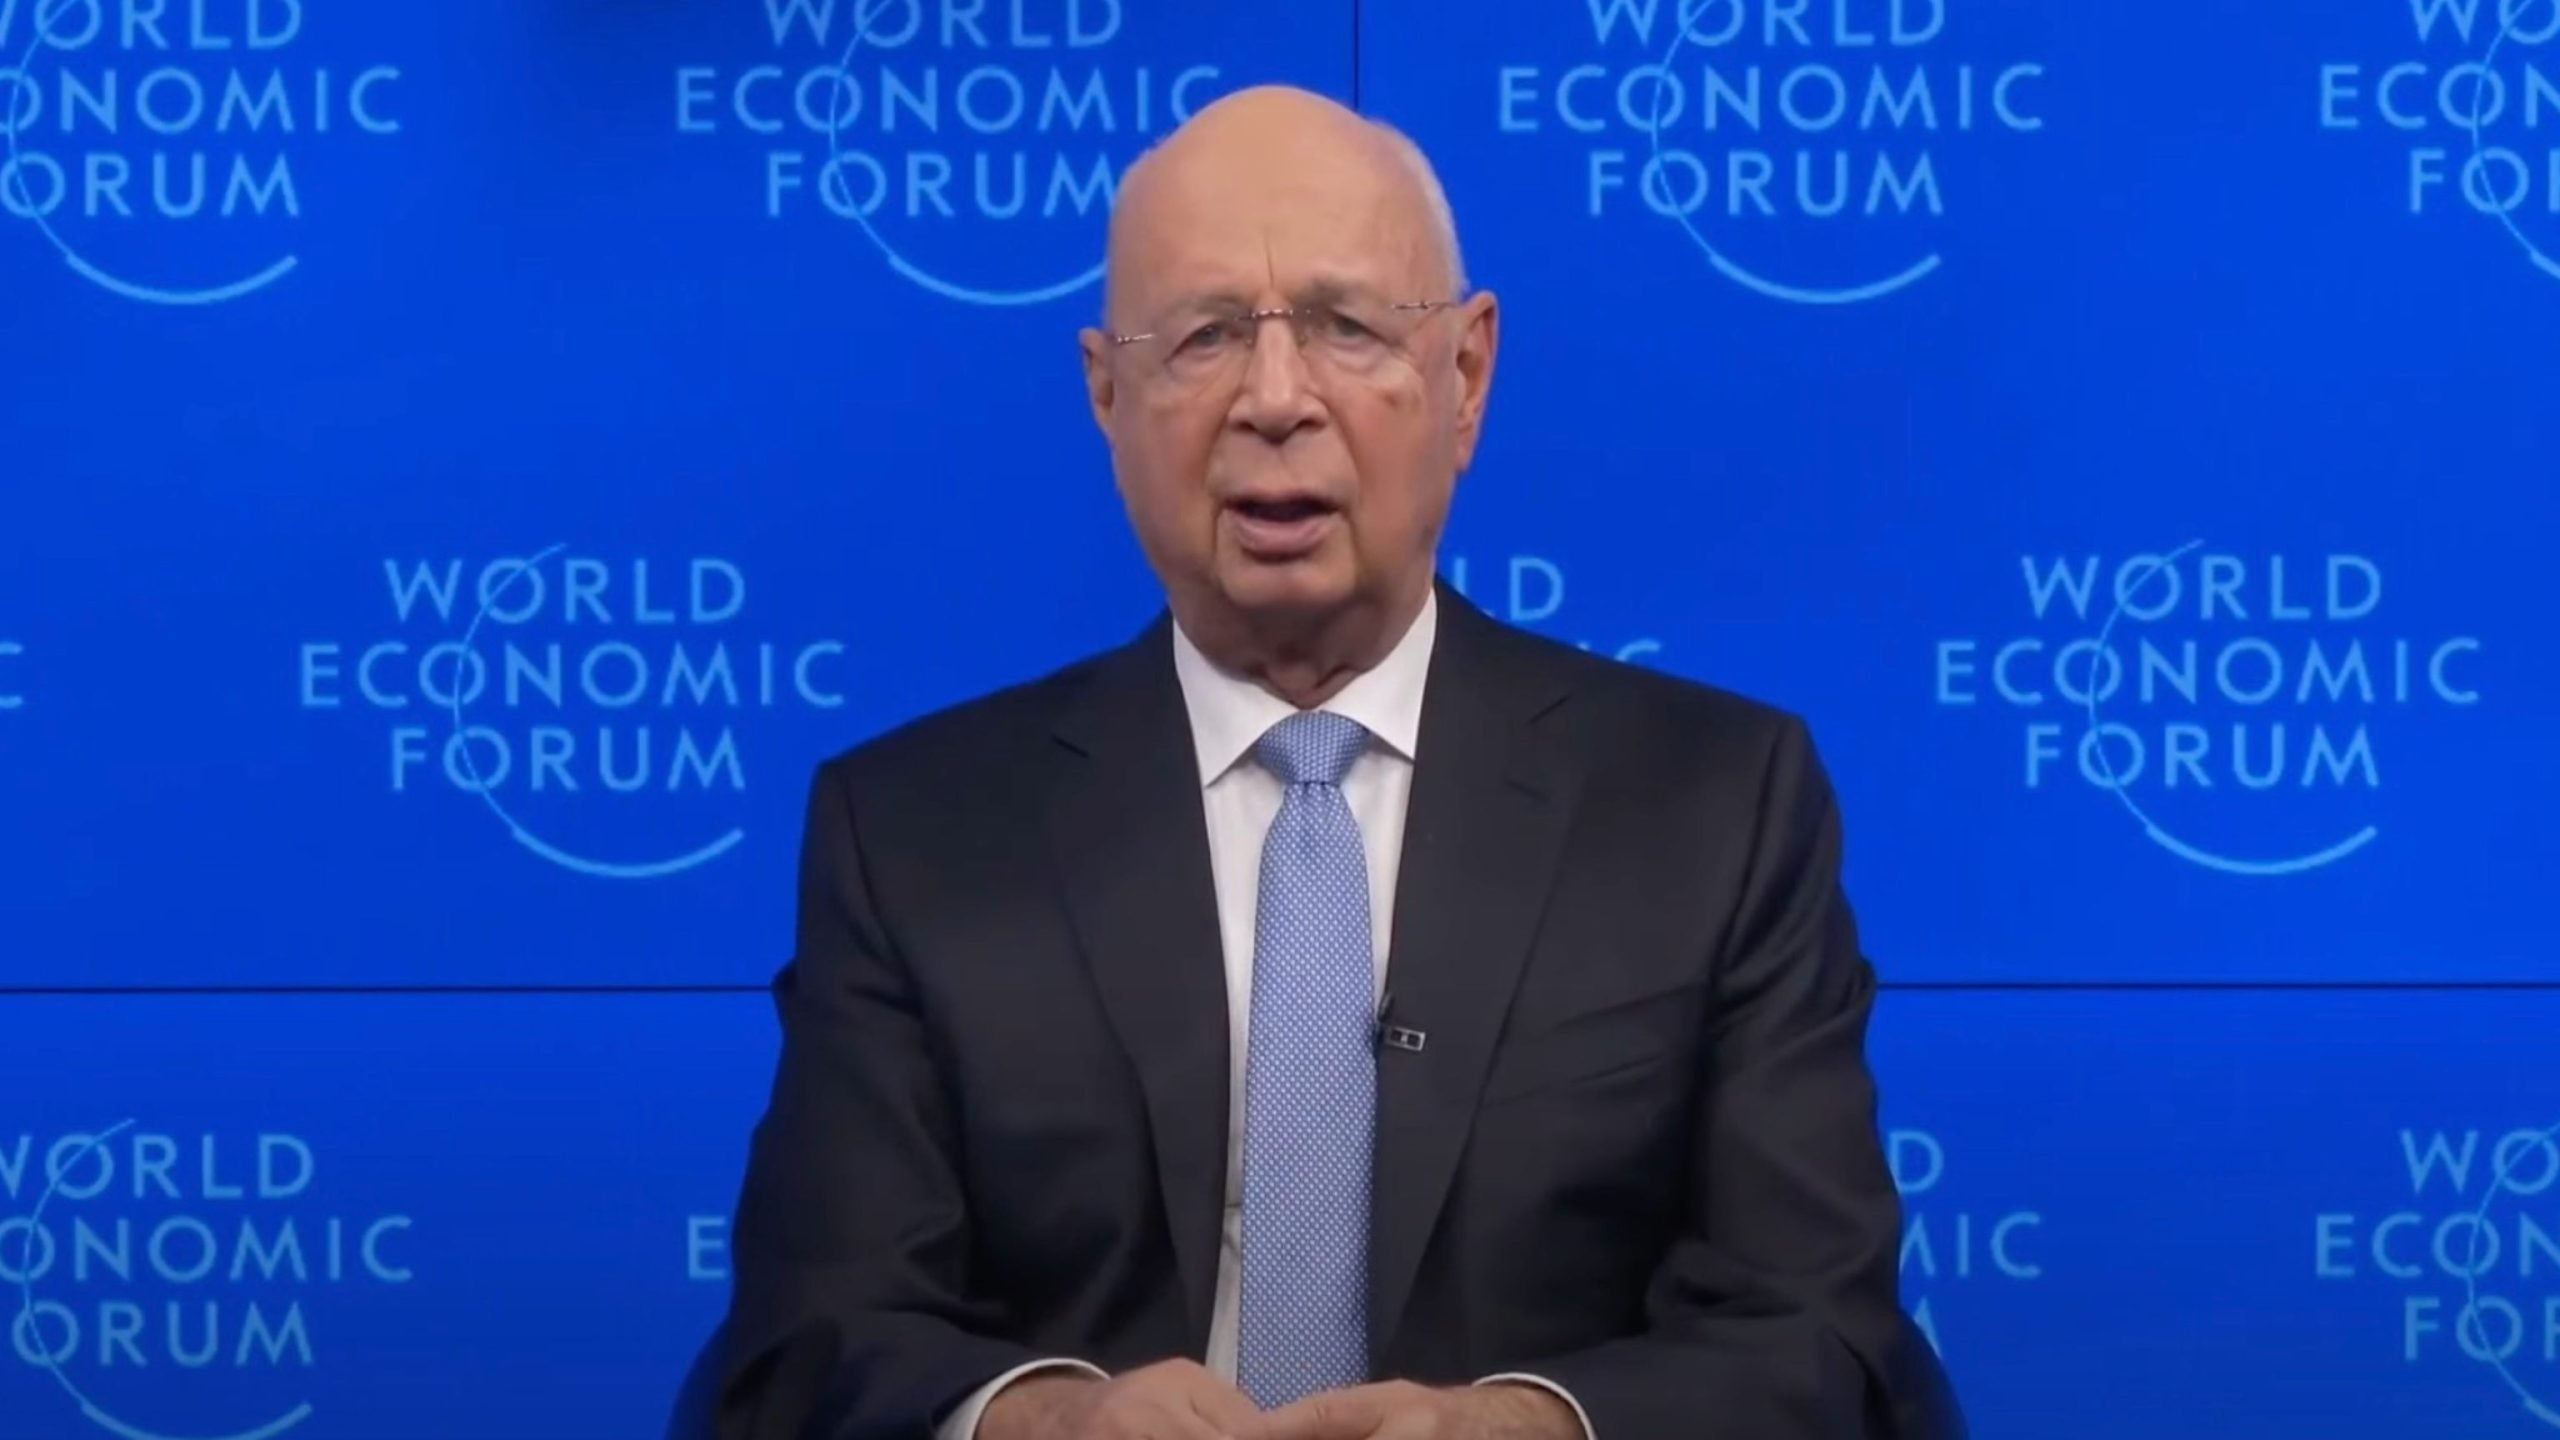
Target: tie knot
x=1312, y=747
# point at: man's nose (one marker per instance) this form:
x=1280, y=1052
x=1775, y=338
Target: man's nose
x=1278, y=395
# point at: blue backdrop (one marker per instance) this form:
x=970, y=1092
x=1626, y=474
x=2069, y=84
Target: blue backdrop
x=461, y=465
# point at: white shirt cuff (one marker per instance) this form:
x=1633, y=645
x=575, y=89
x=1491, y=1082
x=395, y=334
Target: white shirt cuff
x=962, y=1422
x=1551, y=1388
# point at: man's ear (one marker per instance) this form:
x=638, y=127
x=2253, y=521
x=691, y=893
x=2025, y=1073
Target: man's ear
x=1100, y=391
x=1479, y=340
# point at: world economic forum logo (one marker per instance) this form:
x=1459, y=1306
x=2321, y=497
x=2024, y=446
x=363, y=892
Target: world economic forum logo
x=1950, y=1249
x=2470, y=1254
x=975, y=149
x=2236, y=708
x=1811, y=153
x=2476, y=111
x=129, y=1257
x=152, y=147
x=602, y=711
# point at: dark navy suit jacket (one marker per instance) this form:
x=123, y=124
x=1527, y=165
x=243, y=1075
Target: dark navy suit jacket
x=1638, y=1153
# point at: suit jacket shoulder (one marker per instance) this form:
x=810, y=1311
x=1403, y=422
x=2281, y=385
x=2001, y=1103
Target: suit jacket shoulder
x=1632, y=721
x=971, y=754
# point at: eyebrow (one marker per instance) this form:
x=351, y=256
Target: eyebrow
x=1324, y=290
x=1207, y=301
x=1332, y=289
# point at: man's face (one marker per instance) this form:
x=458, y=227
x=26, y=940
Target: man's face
x=1288, y=468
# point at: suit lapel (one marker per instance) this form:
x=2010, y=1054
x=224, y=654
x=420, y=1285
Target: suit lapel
x=1132, y=846
x=1492, y=793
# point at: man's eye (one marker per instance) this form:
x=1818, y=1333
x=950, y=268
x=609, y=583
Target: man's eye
x=1342, y=327
x=1207, y=337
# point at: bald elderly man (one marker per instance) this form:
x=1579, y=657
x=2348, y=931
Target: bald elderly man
x=1332, y=1013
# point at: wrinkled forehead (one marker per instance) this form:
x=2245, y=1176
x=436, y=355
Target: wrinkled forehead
x=1234, y=235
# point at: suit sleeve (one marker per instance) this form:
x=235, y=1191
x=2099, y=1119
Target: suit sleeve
x=1776, y=1314
x=851, y=1316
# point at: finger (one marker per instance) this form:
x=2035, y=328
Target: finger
x=1403, y=1411
x=1411, y=1423
x=1222, y=1405
x=1169, y=1419
x=1352, y=1414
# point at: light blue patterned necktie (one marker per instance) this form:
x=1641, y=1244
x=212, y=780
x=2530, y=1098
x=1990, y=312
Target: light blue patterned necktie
x=1310, y=1079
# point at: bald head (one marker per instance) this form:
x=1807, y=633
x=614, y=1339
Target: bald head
x=1279, y=150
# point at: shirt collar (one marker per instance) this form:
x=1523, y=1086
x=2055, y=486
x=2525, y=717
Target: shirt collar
x=1230, y=712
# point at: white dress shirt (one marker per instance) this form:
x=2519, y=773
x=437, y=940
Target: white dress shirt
x=1241, y=799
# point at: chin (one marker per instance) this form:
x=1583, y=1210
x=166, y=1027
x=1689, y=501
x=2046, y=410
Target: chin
x=1299, y=589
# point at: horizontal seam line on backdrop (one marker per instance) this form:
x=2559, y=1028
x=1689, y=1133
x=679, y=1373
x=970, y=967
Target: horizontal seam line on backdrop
x=1357, y=21
x=1890, y=986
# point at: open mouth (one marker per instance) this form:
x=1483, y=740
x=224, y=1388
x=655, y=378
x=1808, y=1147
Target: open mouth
x=1276, y=528
x=1282, y=512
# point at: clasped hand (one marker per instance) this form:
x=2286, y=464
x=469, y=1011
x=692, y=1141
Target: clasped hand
x=1182, y=1400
